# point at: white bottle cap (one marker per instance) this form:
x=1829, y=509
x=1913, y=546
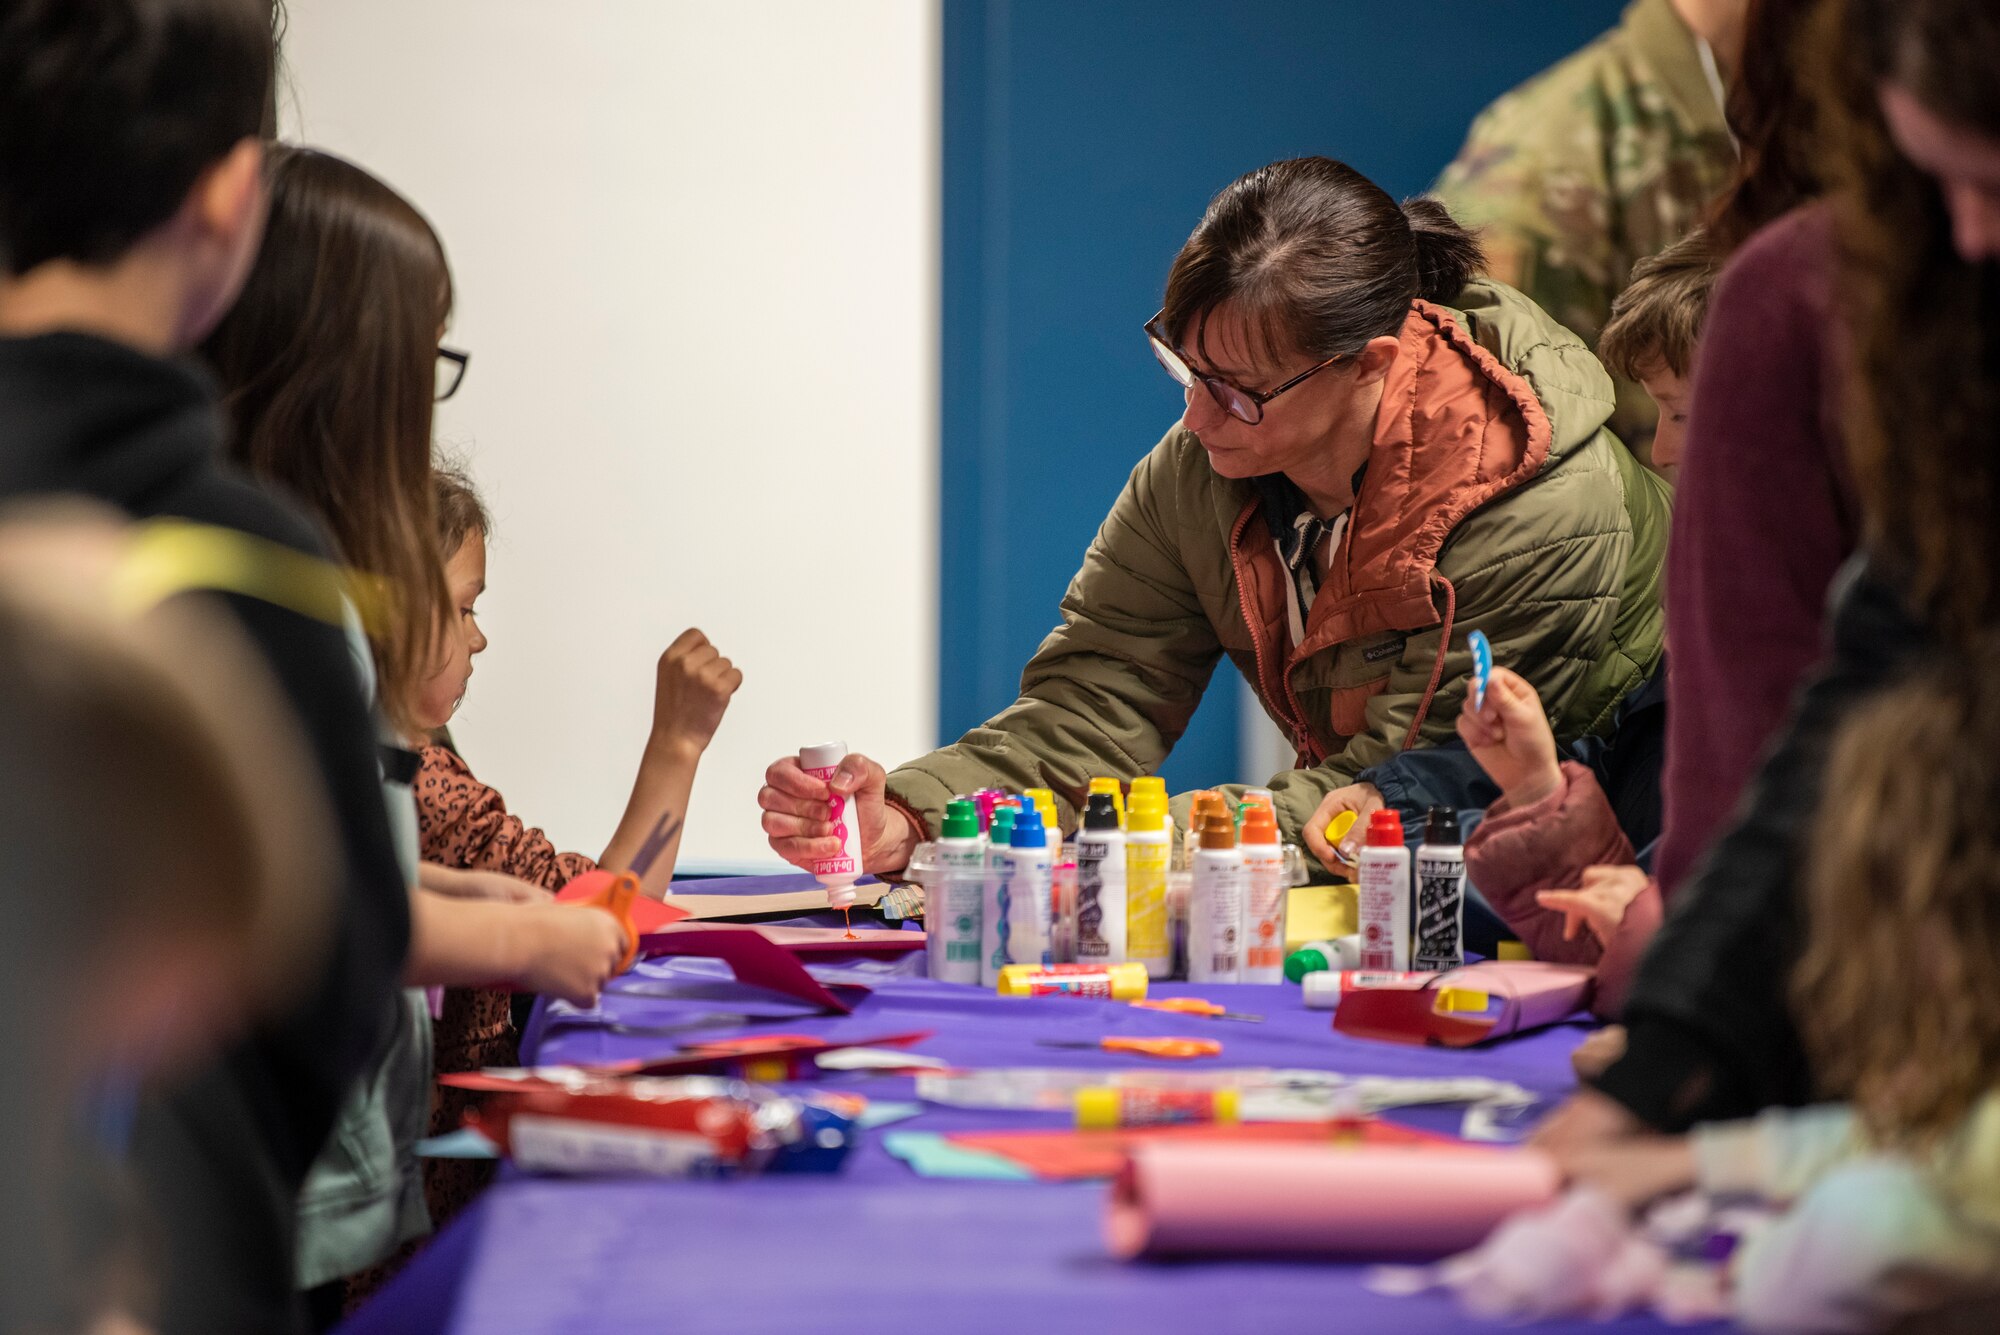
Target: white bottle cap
x=824, y=756
x=1322, y=990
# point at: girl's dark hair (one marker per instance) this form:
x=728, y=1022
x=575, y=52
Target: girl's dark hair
x=1317, y=258
x=1771, y=113
x=460, y=512
x=328, y=370
x=1925, y=387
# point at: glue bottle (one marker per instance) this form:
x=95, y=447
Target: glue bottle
x=1215, y=904
x=1440, y=916
x=996, y=898
x=1100, y=884
x=1147, y=852
x=1043, y=800
x=1343, y=952
x=954, y=919
x=1265, y=891
x=1030, y=887
x=1384, y=907
x=839, y=873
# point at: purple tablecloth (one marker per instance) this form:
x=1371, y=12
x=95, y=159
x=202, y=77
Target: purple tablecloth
x=878, y=1248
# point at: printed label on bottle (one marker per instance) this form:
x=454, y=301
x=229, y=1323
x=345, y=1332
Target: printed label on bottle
x=1090, y=941
x=1440, y=913
x=1146, y=901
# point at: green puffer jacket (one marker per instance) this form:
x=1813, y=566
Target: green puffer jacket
x=1494, y=499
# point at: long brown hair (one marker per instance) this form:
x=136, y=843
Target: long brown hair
x=1773, y=116
x=1926, y=384
x=1898, y=991
x=328, y=368
x=1317, y=257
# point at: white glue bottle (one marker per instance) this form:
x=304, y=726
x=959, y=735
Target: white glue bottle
x=838, y=874
x=1215, y=905
x=1148, y=852
x=1100, y=884
x=996, y=898
x=1029, y=914
x=1266, y=889
x=1440, y=916
x=952, y=913
x=1384, y=908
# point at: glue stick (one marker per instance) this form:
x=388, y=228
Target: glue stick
x=1106, y=1108
x=1147, y=853
x=954, y=919
x=1265, y=890
x=1324, y=990
x=837, y=873
x=996, y=898
x=1384, y=900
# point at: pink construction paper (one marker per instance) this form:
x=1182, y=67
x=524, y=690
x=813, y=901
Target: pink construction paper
x=1198, y=1198
x=1524, y=995
x=753, y=957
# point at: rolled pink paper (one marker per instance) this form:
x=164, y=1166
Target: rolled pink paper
x=1189, y=1198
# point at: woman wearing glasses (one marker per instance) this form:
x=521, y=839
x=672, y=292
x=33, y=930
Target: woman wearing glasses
x=1379, y=453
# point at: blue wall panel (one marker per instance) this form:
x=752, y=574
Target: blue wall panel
x=1082, y=139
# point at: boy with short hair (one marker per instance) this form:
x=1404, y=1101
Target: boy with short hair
x=1651, y=337
x=131, y=205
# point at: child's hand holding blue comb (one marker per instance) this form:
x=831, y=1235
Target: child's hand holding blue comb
x=1508, y=733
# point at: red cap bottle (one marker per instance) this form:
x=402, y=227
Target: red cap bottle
x=1385, y=829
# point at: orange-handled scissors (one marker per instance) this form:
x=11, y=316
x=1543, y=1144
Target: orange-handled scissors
x=616, y=899
x=1174, y=1049
x=1196, y=1006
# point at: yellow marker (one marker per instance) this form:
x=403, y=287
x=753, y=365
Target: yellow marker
x=1337, y=828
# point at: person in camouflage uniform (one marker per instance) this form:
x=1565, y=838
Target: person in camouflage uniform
x=1596, y=163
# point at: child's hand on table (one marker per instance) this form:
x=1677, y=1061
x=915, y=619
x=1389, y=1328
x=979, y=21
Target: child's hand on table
x=1634, y=1171
x=1363, y=799
x=570, y=951
x=690, y=693
x=1511, y=739
x=1600, y=901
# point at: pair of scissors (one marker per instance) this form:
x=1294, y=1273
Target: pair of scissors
x=1173, y=1049
x=1196, y=1006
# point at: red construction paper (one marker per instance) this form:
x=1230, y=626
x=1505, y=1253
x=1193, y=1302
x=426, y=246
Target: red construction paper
x=1070, y=1156
x=754, y=958
x=1523, y=995
x=727, y=1056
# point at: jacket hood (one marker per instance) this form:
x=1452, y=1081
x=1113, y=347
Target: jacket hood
x=1480, y=400
x=83, y=414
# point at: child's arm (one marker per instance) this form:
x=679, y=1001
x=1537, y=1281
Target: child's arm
x=1552, y=829
x=493, y=885
x=690, y=693
x=562, y=950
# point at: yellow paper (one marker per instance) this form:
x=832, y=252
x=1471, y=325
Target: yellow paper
x=1320, y=913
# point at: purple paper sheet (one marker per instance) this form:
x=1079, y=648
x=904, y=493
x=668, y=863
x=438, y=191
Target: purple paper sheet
x=878, y=1248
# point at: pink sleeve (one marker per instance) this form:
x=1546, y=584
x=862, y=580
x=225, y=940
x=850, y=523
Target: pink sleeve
x=464, y=824
x=1515, y=853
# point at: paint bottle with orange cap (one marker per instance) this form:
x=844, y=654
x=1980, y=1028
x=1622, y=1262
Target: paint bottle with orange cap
x=1215, y=902
x=1266, y=887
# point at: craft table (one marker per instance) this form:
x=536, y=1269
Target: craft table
x=878, y=1248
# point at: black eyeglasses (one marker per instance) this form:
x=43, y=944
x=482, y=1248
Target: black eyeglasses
x=1245, y=405
x=451, y=366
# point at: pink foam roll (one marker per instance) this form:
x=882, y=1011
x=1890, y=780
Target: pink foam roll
x=1405, y=1201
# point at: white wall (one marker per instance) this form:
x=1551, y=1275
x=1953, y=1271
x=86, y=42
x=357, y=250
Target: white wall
x=696, y=255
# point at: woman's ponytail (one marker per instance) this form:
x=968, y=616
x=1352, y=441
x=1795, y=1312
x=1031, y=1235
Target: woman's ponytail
x=1447, y=255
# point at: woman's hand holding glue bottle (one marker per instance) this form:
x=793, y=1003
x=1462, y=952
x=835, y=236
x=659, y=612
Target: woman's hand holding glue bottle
x=798, y=818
